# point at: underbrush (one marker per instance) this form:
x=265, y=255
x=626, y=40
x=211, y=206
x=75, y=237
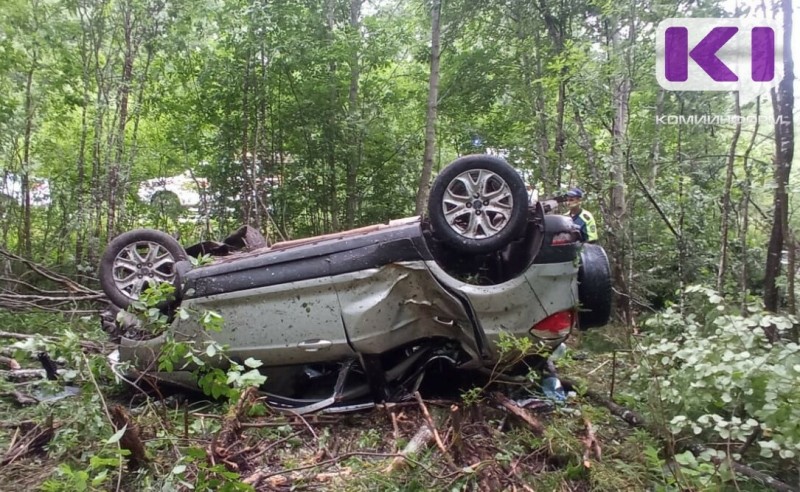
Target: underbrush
x=236, y=442
x=712, y=376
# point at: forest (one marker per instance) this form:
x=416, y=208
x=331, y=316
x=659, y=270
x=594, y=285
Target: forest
x=301, y=118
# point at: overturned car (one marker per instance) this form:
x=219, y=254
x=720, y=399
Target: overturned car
x=345, y=320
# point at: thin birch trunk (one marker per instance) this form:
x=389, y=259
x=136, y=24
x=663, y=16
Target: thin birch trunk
x=430, y=120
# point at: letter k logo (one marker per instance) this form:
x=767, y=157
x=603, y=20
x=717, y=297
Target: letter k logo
x=704, y=54
x=719, y=54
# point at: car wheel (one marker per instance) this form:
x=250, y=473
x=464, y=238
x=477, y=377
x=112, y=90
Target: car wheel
x=594, y=287
x=136, y=259
x=478, y=204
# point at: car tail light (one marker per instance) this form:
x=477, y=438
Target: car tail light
x=562, y=238
x=556, y=323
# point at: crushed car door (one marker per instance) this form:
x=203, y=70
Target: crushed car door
x=288, y=323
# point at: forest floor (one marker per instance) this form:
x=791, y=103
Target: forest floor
x=186, y=442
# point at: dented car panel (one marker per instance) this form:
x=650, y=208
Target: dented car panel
x=406, y=301
x=515, y=306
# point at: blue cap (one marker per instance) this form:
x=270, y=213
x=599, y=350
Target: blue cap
x=575, y=193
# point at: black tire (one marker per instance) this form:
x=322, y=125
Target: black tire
x=503, y=195
x=122, y=261
x=594, y=288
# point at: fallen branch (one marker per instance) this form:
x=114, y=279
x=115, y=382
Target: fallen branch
x=590, y=444
x=9, y=363
x=26, y=374
x=519, y=412
x=629, y=416
x=421, y=439
x=436, y=436
x=226, y=446
x=283, y=480
x=21, y=398
x=71, y=285
x=71, y=296
x=33, y=439
x=86, y=345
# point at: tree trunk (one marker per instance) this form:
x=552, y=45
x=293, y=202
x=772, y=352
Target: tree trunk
x=544, y=142
x=619, y=151
x=726, y=197
x=266, y=145
x=123, y=91
x=556, y=30
x=561, y=136
x=783, y=103
x=330, y=125
x=745, y=210
x=655, y=152
x=586, y=144
x=681, y=215
x=245, y=190
x=80, y=186
x=618, y=205
x=25, y=235
x=355, y=119
x=133, y=148
x=538, y=106
x=433, y=97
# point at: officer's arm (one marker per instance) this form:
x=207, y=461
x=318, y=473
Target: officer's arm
x=584, y=232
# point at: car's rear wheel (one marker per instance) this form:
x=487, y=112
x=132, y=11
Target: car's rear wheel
x=135, y=260
x=594, y=287
x=478, y=204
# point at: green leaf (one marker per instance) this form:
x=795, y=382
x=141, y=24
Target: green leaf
x=100, y=478
x=233, y=377
x=252, y=378
x=196, y=453
x=117, y=435
x=253, y=363
x=178, y=469
x=686, y=459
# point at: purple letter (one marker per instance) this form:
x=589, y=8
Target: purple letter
x=676, y=63
x=705, y=54
x=762, y=54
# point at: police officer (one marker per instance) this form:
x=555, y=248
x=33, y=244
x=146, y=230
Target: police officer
x=580, y=217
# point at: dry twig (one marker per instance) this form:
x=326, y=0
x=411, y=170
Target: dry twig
x=429, y=419
x=590, y=444
x=33, y=439
x=519, y=412
x=25, y=296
